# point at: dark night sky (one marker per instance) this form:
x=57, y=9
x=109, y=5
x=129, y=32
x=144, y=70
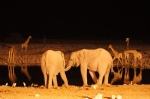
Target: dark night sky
x=94, y=20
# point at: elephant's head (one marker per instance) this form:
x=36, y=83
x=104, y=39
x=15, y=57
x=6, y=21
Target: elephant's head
x=75, y=59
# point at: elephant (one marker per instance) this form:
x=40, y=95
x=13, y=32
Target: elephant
x=52, y=63
x=95, y=60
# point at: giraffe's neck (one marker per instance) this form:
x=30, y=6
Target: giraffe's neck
x=115, y=52
x=27, y=41
x=127, y=45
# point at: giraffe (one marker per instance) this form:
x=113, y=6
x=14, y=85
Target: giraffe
x=127, y=40
x=11, y=63
x=137, y=56
x=117, y=75
x=126, y=76
x=24, y=70
x=127, y=54
x=137, y=79
x=126, y=57
x=117, y=55
x=24, y=45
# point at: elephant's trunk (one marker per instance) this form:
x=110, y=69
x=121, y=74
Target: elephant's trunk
x=67, y=68
x=69, y=65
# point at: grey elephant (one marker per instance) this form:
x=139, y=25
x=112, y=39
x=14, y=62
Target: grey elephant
x=96, y=60
x=52, y=63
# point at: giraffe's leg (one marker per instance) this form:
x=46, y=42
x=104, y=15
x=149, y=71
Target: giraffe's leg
x=8, y=57
x=14, y=75
x=9, y=72
x=128, y=73
x=126, y=76
x=140, y=75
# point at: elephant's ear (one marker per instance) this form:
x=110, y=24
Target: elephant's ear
x=63, y=59
x=81, y=56
x=62, y=54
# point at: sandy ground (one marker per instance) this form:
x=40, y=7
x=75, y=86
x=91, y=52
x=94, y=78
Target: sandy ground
x=76, y=92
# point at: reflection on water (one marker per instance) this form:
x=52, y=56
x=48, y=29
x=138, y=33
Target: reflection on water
x=73, y=75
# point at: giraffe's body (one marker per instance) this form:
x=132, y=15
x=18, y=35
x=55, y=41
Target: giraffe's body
x=137, y=56
x=24, y=46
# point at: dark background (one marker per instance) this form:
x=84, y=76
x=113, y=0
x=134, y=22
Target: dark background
x=76, y=20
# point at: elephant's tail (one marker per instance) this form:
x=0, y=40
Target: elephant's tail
x=46, y=61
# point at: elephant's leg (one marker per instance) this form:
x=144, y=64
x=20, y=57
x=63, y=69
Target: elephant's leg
x=55, y=80
x=106, y=76
x=99, y=82
x=45, y=80
x=84, y=75
x=50, y=81
x=64, y=78
x=93, y=75
x=101, y=72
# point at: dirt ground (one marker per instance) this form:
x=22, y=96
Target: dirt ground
x=76, y=92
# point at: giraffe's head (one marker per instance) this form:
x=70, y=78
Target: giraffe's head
x=127, y=39
x=109, y=46
x=30, y=37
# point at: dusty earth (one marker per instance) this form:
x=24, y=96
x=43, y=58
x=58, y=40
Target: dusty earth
x=75, y=92
x=140, y=91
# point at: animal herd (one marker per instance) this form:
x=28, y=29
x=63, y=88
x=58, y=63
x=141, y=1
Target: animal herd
x=92, y=60
x=97, y=60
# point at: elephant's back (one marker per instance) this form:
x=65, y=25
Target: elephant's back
x=105, y=54
x=53, y=57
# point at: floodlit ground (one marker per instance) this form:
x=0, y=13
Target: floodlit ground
x=74, y=92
